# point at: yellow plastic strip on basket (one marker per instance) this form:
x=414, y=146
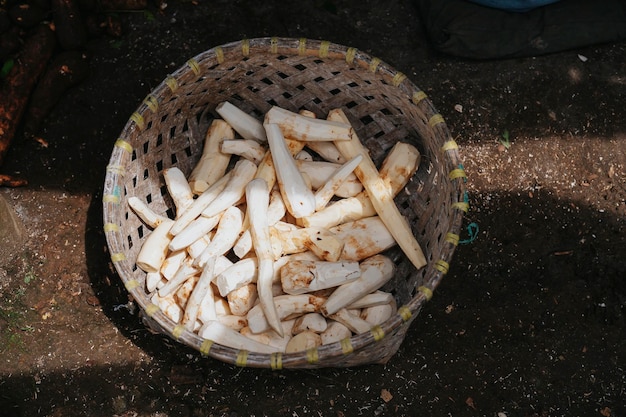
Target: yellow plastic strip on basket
x=171, y=83
x=346, y=346
x=111, y=198
x=378, y=333
x=138, y=119
x=312, y=355
x=442, y=266
x=177, y=331
x=435, y=120
x=461, y=205
x=114, y=197
x=242, y=358
x=219, y=54
x=276, y=361
x=195, y=67
x=453, y=238
x=274, y=45
x=111, y=227
x=397, y=79
x=405, y=313
x=122, y=144
x=324, y=46
x=118, y=257
x=302, y=46
x=152, y=103
x=374, y=64
x=457, y=173
x=205, y=347
x=350, y=54
x=151, y=309
x=245, y=47
x=131, y=284
x=116, y=169
x=450, y=145
x=418, y=96
x=428, y=293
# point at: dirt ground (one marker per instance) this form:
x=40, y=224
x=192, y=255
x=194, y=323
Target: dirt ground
x=530, y=320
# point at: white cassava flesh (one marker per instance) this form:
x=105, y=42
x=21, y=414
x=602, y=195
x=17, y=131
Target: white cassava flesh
x=145, y=213
x=327, y=150
x=319, y=172
x=234, y=322
x=243, y=123
x=265, y=170
x=178, y=188
x=303, y=341
x=286, y=305
x=226, y=234
x=303, y=156
x=257, y=191
x=247, y=148
x=270, y=337
x=375, y=272
x=335, y=332
x=241, y=300
x=194, y=231
x=172, y=262
x=302, y=128
x=312, y=321
x=294, y=240
x=240, y=273
x=353, y=322
x=324, y=194
x=196, y=248
x=154, y=249
x=168, y=306
x=213, y=163
x=301, y=276
x=224, y=335
x=373, y=299
x=325, y=245
x=275, y=211
x=242, y=174
x=186, y=271
x=378, y=314
x=396, y=170
x=201, y=290
x=363, y=238
x=200, y=203
x=380, y=195
x=153, y=280
x=298, y=198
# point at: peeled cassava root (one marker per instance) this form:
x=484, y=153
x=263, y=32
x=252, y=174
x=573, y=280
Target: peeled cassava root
x=281, y=252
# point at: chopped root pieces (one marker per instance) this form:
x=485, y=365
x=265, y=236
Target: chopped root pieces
x=276, y=250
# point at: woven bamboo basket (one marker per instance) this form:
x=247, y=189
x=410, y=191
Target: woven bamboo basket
x=384, y=107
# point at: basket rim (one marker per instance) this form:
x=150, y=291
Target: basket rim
x=234, y=52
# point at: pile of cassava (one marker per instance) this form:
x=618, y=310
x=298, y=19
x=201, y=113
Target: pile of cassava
x=277, y=241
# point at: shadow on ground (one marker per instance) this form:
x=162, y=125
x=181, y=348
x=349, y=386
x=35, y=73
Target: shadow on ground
x=527, y=336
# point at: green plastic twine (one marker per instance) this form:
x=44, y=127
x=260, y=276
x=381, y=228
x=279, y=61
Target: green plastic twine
x=472, y=228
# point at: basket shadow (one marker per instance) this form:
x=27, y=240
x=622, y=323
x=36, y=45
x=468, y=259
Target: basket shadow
x=511, y=264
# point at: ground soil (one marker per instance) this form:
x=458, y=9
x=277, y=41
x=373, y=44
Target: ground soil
x=530, y=320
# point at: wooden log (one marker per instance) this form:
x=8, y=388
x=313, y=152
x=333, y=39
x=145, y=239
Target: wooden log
x=10, y=42
x=69, y=26
x=67, y=69
x=124, y=4
x=27, y=15
x=11, y=181
x=20, y=82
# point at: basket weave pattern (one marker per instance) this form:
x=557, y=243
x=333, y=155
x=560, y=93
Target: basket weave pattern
x=383, y=106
